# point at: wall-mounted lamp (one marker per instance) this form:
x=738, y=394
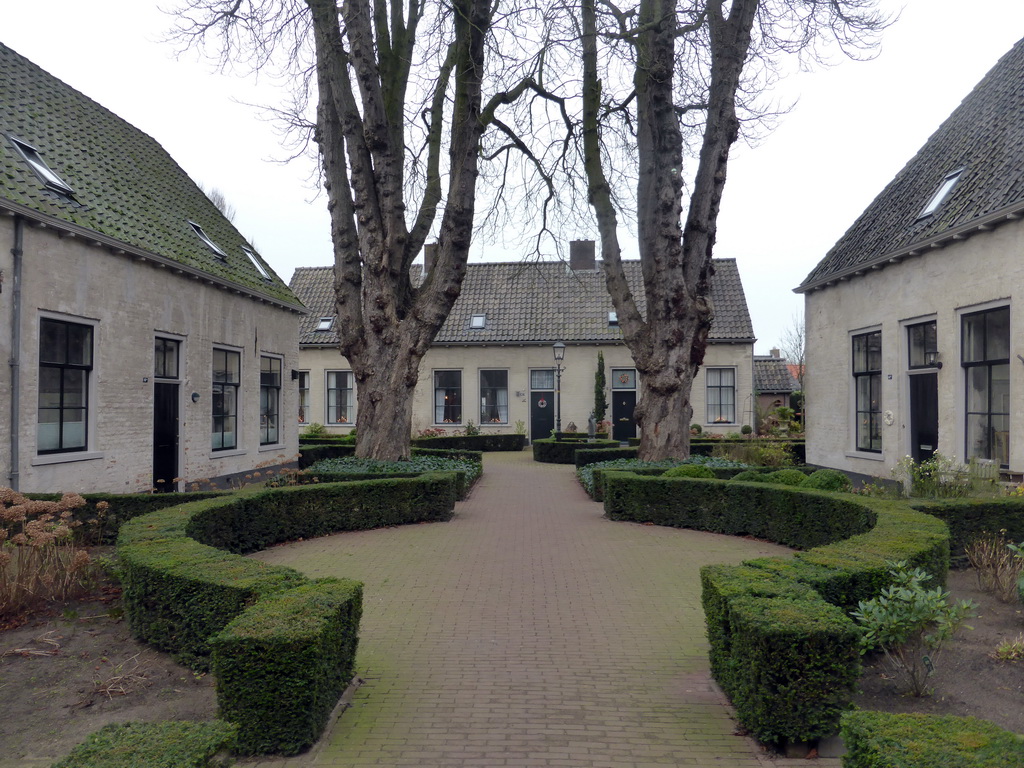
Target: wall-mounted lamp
x=932, y=359
x=195, y=397
x=295, y=375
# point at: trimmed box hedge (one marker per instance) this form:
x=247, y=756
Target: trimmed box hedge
x=782, y=646
x=967, y=518
x=181, y=588
x=311, y=453
x=483, y=442
x=551, y=451
x=168, y=744
x=877, y=739
x=281, y=670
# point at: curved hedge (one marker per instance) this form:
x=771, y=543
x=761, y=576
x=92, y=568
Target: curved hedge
x=186, y=593
x=551, y=451
x=483, y=442
x=782, y=646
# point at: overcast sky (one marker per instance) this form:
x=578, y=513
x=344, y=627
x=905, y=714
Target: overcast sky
x=786, y=201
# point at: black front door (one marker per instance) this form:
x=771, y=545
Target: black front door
x=165, y=435
x=542, y=414
x=924, y=415
x=623, y=423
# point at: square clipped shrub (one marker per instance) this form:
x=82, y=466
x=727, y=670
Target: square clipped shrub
x=281, y=670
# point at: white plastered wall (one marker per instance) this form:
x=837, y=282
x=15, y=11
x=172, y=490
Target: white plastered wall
x=980, y=272
x=129, y=302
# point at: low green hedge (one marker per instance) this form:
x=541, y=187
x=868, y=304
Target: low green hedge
x=967, y=518
x=168, y=744
x=705, y=446
x=281, y=670
x=585, y=456
x=311, y=453
x=782, y=646
x=884, y=740
x=181, y=588
x=483, y=442
x=551, y=451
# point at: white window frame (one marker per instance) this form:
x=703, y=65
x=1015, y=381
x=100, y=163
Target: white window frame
x=351, y=408
x=707, y=395
x=39, y=167
x=201, y=234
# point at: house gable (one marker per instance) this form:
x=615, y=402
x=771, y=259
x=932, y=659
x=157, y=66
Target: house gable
x=976, y=157
x=126, y=193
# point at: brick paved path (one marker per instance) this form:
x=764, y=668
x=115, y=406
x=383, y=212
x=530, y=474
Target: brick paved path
x=530, y=631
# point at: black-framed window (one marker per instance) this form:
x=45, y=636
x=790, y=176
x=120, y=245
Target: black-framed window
x=303, y=397
x=985, y=357
x=494, y=397
x=227, y=377
x=65, y=366
x=447, y=397
x=341, y=401
x=270, y=400
x=721, y=395
x=867, y=382
x=922, y=345
x=167, y=358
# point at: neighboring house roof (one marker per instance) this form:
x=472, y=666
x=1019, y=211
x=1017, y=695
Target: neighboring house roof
x=773, y=375
x=533, y=302
x=127, y=194
x=984, y=137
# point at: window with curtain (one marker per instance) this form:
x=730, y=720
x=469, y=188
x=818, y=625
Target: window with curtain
x=867, y=383
x=447, y=397
x=985, y=358
x=65, y=366
x=303, y=397
x=341, y=398
x=494, y=397
x=721, y=395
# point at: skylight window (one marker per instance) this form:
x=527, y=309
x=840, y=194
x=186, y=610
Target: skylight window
x=41, y=169
x=258, y=264
x=325, y=324
x=206, y=239
x=478, y=321
x=941, y=193
x=613, y=317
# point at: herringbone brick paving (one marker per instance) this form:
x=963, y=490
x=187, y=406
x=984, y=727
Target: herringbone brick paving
x=530, y=631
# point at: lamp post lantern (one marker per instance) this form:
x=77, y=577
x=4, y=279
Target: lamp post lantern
x=558, y=348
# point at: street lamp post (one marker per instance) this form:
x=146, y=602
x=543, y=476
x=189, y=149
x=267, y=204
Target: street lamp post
x=559, y=351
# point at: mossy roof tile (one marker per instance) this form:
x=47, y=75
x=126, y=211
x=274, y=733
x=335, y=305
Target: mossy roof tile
x=125, y=185
x=533, y=303
x=985, y=137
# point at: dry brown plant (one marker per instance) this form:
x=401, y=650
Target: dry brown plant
x=40, y=560
x=129, y=675
x=997, y=567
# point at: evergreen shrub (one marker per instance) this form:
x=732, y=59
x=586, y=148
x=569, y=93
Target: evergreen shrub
x=167, y=744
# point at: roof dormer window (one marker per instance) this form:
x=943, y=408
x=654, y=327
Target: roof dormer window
x=478, y=322
x=258, y=264
x=40, y=168
x=941, y=193
x=325, y=324
x=209, y=243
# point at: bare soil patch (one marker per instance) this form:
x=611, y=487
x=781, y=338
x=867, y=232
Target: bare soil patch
x=967, y=681
x=69, y=670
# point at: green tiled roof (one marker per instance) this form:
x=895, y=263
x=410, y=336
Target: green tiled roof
x=126, y=187
x=985, y=137
x=528, y=303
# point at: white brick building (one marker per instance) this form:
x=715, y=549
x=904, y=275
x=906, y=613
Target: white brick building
x=147, y=340
x=915, y=316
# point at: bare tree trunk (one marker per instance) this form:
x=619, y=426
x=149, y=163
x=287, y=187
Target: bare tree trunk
x=668, y=344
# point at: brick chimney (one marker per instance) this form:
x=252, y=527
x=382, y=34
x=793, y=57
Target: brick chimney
x=581, y=256
x=776, y=353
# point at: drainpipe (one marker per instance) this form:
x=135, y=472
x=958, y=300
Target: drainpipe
x=15, y=362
